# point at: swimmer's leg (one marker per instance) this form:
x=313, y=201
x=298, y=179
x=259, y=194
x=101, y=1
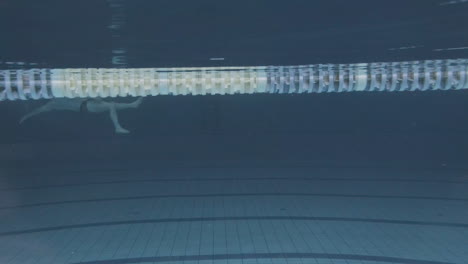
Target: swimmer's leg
x=134, y=104
x=42, y=109
x=115, y=120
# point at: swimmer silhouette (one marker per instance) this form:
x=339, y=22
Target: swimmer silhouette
x=94, y=105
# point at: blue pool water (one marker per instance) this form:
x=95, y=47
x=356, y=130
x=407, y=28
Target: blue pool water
x=263, y=178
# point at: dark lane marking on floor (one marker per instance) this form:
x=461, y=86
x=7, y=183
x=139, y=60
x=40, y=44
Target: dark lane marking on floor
x=237, y=179
x=234, y=218
x=383, y=259
x=143, y=197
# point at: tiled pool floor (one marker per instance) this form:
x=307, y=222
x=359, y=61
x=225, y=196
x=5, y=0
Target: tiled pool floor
x=235, y=215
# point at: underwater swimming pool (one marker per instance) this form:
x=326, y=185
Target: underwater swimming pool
x=302, y=132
